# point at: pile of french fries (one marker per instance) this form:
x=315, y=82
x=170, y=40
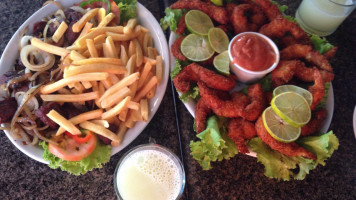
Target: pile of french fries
x=115, y=66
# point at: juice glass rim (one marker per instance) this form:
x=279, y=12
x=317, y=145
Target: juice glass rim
x=162, y=149
x=353, y=3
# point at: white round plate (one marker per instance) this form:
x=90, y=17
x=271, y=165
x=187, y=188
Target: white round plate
x=145, y=18
x=191, y=104
x=354, y=121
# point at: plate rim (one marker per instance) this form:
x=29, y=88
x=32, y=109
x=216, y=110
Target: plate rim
x=190, y=104
x=156, y=100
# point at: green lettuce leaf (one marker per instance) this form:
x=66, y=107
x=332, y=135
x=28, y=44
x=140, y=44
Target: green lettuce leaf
x=171, y=19
x=320, y=44
x=96, y=159
x=322, y=103
x=192, y=93
x=177, y=68
x=214, y=145
x=283, y=167
x=127, y=9
x=281, y=8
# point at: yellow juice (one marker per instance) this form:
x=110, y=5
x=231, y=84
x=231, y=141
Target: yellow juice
x=322, y=17
x=149, y=175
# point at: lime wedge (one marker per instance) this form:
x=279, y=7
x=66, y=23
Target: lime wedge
x=198, y=22
x=292, y=108
x=217, y=2
x=292, y=88
x=196, y=48
x=278, y=128
x=218, y=40
x=222, y=63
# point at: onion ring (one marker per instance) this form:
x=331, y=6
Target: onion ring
x=49, y=59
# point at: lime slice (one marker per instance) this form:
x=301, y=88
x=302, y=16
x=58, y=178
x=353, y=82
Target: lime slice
x=292, y=88
x=218, y=40
x=217, y=2
x=196, y=48
x=222, y=63
x=278, y=128
x=198, y=22
x=292, y=108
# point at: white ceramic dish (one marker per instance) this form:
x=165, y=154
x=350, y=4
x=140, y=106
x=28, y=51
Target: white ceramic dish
x=145, y=18
x=354, y=121
x=190, y=104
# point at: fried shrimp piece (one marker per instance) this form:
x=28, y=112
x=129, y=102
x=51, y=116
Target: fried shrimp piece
x=331, y=53
x=216, y=13
x=239, y=106
x=279, y=27
x=317, y=90
x=246, y=17
x=271, y=10
x=284, y=72
x=288, y=149
x=195, y=72
x=202, y=111
x=175, y=49
x=298, y=51
x=306, y=74
x=314, y=125
x=181, y=25
x=240, y=129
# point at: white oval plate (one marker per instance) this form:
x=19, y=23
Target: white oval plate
x=191, y=104
x=145, y=18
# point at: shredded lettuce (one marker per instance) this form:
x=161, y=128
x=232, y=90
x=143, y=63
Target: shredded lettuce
x=177, y=68
x=320, y=44
x=96, y=159
x=192, y=93
x=127, y=9
x=214, y=144
x=281, y=8
x=171, y=19
x=283, y=167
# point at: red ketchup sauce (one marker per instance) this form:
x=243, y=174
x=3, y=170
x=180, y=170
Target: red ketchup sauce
x=252, y=52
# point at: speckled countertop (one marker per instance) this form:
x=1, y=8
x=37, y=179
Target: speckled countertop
x=239, y=178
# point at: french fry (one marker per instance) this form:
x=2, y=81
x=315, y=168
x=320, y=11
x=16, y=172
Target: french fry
x=124, y=37
x=100, y=39
x=98, y=67
x=106, y=20
x=95, y=88
x=91, y=47
x=98, y=31
x=145, y=44
x=79, y=87
x=50, y=88
x=146, y=69
x=107, y=83
x=106, y=50
x=101, y=122
x=123, y=114
x=63, y=122
x=114, y=79
x=100, y=61
x=120, y=133
x=133, y=105
x=112, y=52
x=98, y=47
x=75, y=56
x=153, y=81
x=115, y=98
x=59, y=32
x=117, y=109
x=100, y=130
x=86, y=17
x=86, y=84
x=150, y=53
x=139, y=53
x=140, y=39
x=123, y=55
x=131, y=64
x=94, y=114
x=132, y=49
x=130, y=26
x=49, y=48
x=70, y=97
x=130, y=122
x=86, y=29
x=144, y=109
x=147, y=59
x=64, y=91
x=101, y=14
x=151, y=93
x=159, y=69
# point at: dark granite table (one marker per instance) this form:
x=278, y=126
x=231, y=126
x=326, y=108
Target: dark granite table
x=239, y=178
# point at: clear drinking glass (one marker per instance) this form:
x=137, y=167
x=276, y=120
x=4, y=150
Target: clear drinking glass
x=149, y=171
x=322, y=17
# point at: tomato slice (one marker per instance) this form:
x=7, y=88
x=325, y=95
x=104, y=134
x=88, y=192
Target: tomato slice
x=116, y=11
x=79, y=139
x=71, y=150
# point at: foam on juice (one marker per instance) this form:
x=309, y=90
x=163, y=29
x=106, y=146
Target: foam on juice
x=149, y=174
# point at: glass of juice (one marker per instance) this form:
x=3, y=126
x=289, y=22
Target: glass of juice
x=148, y=172
x=322, y=17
